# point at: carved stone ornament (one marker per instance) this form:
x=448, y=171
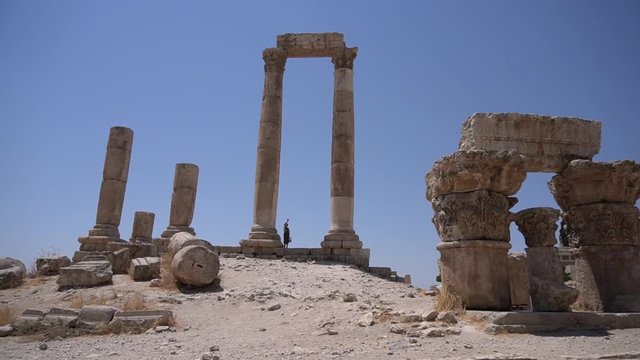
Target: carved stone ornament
x=587, y=182
x=274, y=60
x=344, y=58
x=538, y=225
x=603, y=224
x=477, y=215
x=470, y=170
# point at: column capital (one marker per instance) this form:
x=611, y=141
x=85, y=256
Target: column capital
x=344, y=58
x=274, y=60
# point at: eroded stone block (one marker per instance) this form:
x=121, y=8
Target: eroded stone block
x=86, y=274
x=310, y=44
x=50, y=265
x=12, y=273
x=145, y=269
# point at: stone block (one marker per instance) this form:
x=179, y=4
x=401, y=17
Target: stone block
x=6, y=330
x=298, y=251
x=547, y=143
x=519, y=280
x=95, y=316
x=227, y=249
x=544, y=263
x=270, y=251
x=343, y=252
x=61, y=317
x=551, y=296
x=142, y=226
x=79, y=256
x=86, y=274
x=28, y=322
x=139, y=321
x=384, y=272
x=120, y=261
x=310, y=44
x=145, y=269
x=12, y=273
x=360, y=252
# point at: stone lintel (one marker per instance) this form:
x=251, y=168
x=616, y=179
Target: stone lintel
x=305, y=45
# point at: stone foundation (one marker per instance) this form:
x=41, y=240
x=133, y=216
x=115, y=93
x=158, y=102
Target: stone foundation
x=359, y=257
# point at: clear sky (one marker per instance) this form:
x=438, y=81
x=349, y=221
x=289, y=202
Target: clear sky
x=187, y=77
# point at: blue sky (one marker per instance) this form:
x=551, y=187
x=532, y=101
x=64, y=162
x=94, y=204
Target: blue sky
x=187, y=77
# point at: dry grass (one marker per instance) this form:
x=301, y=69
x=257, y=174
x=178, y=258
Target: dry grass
x=167, y=281
x=448, y=300
x=134, y=301
x=7, y=314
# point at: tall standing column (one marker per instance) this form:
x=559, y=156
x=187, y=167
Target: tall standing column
x=263, y=232
x=341, y=233
x=183, y=200
x=112, y=189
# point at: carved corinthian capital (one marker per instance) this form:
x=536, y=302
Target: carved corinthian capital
x=344, y=58
x=603, y=224
x=274, y=60
x=477, y=215
x=538, y=225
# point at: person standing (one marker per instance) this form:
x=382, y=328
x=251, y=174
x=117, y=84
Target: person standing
x=287, y=235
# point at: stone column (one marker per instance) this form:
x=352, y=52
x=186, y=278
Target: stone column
x=598, y=200
x=469, y=192
x=548, y=291
x=183, y=200
x=341, y=233
x=263, y=231
x=143, y=227
x=112, y=190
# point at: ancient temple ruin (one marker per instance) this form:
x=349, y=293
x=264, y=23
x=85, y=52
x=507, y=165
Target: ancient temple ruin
x=472, y=190
x=341, y=234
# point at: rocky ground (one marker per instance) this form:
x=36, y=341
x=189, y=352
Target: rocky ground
x=273, y=309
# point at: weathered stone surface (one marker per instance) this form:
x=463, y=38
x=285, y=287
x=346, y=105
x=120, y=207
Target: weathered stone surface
x=464, y=171
x=61, y=317
x=544, y=263
x=95, y=316
x=195, y=265
x=523, y=322
x=477, y=270
x=139, y=321
x=366, y=320
x=448, y=317
x=476, y=215
x=551, y=296
x=310, y=44
x=519, y=280
x=538, y=225
x=28, y=322
x=12, y=272
x=50, y=265
x=145, y=269
x=143, y=226
x=588, y=182
x=120, y=261
x=182, y=239
x=86, y=274
x=6, y=330
x=603, y=224
x=547, y=143
x=608, y=277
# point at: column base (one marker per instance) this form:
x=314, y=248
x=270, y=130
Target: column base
x=174, y=229
x=104, y=230
x=341, y=240
x=98, y=237
x=262, y=237
x=478, y=271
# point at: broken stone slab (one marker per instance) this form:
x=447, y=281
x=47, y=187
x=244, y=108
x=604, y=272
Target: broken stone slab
x=470, y=170
x=86, y=274
x=144, y=269
x=139, y=321
x=29, y=321
x=95, y=316
x=551, y=296
x=120, y=261
x=12, y=273
x=50, y=265
x=195, y=265
x=61, y=317
x=547, y=143
x=589, y=182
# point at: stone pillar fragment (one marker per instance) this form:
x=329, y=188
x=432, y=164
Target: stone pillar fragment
x=143, y=227
x=519, y=281
x=548, y=291
x=263, y=231
x=112, y=189
x=341, y=233
x=469, y=192
x=598, y=200
x=183, y=200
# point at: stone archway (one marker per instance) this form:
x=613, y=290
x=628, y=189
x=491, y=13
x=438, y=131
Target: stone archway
x=341, y=234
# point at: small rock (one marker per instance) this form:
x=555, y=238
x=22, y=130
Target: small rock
x=162, y=328
x=430, y=316
x=262, y=329
x=154, y=283
x=214, y=348
x=413, y=341
x=410, y=318
x=43, y=346
x=349, y=297
x=467, y=346
x=448, y=317
x=397, y=330
x=210, y=357
x=274, y=307
x=366, y=320
x=413, y=334
x=240, y=257
x=434, y=333
x=6, y=330
x=332, y=332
